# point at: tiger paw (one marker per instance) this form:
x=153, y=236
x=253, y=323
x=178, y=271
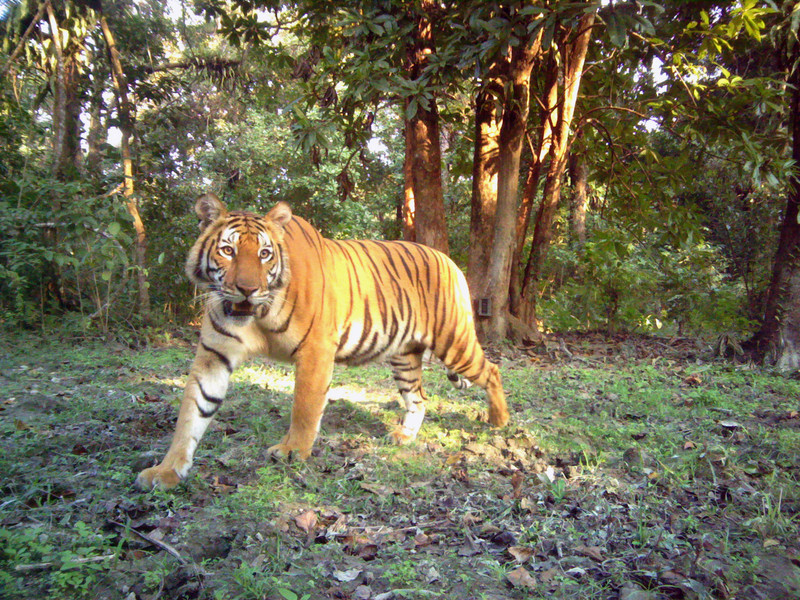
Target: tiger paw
x=402, y=436
x=159, y=476
x=498, y=417
x=286, y=452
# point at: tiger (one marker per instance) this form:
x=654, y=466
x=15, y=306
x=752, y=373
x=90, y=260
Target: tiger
x=276, y=287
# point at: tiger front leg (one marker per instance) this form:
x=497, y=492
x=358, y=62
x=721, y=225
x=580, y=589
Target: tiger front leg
x=313, y=372
x=202, y=398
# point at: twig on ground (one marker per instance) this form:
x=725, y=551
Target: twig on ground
x=47, y=565
x=151, y=540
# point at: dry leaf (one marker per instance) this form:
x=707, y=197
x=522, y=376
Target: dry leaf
x=688, y=445
x=693, y=380
x=422, y=539
x=383, y=491
x=221, y=487
x=516, y=484
x=521, y=554
x=520, y=577
x=593, y=552
x=346, y=576
x=306, y=521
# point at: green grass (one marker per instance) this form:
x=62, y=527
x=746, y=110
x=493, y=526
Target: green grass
x=661, y=466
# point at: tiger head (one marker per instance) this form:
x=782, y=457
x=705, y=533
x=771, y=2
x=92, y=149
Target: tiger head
x=239, y=257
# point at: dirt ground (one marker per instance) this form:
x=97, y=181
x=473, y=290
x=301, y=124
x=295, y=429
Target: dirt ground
x=635, y=468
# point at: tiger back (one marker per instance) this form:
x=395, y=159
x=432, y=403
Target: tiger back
x=276, y=287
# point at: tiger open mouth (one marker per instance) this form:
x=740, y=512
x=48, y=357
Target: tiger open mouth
x=237, y=309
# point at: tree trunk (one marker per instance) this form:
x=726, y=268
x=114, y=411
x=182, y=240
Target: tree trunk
x=409, y=208
x=423, y=152
x=779, y=334
x=547, y=120
x=59, y=100
x=579, y=175
x=484, y=189
x=574, y=55
x=96, y=133
x=132, y=204
x=511, y=137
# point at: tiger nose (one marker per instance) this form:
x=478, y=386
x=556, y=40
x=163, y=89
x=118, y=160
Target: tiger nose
x=246, y=290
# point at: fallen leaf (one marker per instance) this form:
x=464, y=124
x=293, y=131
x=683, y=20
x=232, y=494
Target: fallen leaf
x=693, y=380
x=575, y=572
x=631, y=592
x=521, y=554
x=422, y=539
x=222, y=487
x=516, y=484
x=521, y=578
x=593, y=552
x=384, y=491
x=346, y=576
x=306, y=521
x=548, y=476
x=769, y=542
x=468, y=550
x=548, y=575
x=688, y=445
x=432, y=575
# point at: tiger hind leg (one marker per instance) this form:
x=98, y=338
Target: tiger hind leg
x=459, y=382
x=407, y=371
x=468, y=361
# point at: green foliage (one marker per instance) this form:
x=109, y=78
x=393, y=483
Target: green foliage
x=75, y=259
x=72, y=568
x=618, y=282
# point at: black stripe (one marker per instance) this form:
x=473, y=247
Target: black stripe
x=285, y=325
x=367, y=326
x=222, y=331
x=375, y=268
x=303, y=339
x=207, y=397
x=223, y=359
x=343, y=339
x=217, y=402
x=405, y=263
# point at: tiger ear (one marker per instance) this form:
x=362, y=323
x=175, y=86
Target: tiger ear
x=209, y=208
x=280, y=214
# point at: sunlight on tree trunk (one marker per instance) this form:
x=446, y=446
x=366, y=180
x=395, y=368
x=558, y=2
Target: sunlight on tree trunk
x=423, y=152
x=574, y=55
x=408, y=209
x=126, y=127
x=484, y=187
x=530, y=191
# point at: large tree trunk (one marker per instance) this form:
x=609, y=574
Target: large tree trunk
x=423, y=152
x=779, y=335
x=132, y=204
x=547, y=120
x=573, y=58
x=493, y=283
x=484, y=188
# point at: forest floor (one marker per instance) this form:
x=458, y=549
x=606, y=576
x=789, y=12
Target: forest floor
x=634, y=468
